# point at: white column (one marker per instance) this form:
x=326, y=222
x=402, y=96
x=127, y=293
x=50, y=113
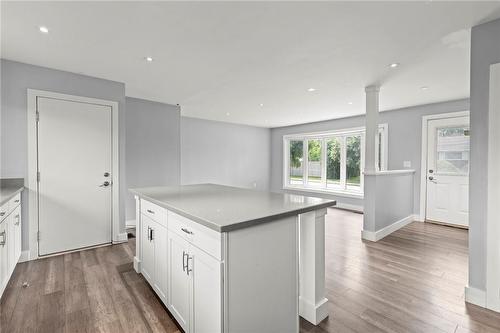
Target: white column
x=313, y=305
x=371, y=123
x=370, y=180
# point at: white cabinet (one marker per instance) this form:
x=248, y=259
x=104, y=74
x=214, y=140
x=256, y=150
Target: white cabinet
x=179, y=279
x=10, y=239
x=154, y=255
x=182, y=261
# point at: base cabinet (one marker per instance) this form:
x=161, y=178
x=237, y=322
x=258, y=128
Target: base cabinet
x=186, y=277
x=10, y=239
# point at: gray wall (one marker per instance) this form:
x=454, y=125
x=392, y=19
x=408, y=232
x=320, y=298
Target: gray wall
x=485, y=50
x=153, y=146
x=405, y=132
x=216, y=152
x=16, y=78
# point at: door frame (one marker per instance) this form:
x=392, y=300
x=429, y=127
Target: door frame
x=31, y=182
x=423, y=164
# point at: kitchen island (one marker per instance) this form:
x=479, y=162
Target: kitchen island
x=226, y=259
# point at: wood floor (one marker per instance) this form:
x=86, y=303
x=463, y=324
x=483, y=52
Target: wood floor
x=411, y=281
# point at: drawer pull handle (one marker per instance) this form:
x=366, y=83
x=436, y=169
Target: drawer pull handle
x=16, y=201
x=150, y=211
x=189, y=232
x=2, y=213
x=4, y=238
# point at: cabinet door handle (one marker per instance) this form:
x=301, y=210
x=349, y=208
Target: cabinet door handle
x=152, y=233
x=184, y=261
x=149, y=234
x=4, y=238
x=189, y=232
x=150, y=211
x=187, y=264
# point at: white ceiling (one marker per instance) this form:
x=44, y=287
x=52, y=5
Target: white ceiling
x=221, y=60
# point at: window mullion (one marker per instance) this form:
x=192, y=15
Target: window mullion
x=305, y=179
x=343, y=162
x=323, y=162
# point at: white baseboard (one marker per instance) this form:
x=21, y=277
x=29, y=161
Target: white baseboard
x=123, y=237
x=374, y=236
x=25, y=256
x=416, y=218
x=137, y=265
x=475, y=296
x=130, y=223
x=356, y=208
x=313, y=313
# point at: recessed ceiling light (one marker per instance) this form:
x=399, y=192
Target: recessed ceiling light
x=261, y=104
x=350, y=103
x=424, y=88
x=394, y=65
x=311, y=89
x=228, y=114
x=149, y=59
x=43, y=29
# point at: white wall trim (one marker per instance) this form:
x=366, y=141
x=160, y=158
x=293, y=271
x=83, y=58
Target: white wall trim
x=356, y=208
x=475, y=296
x=121, y=238
x=493, y=190
x=423, y=159
x=31, y=181
x=375, y=236
x=25, y=256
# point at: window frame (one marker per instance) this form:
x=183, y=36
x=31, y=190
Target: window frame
x=341, y=135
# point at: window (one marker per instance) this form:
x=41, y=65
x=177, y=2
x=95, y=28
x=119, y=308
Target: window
x=453, y=150
x=330, y=161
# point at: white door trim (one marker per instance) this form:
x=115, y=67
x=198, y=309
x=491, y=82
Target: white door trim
x=492, y=226
x=31, y=182
x=423, y=164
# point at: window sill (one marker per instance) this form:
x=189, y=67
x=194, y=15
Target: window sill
x=340, y=193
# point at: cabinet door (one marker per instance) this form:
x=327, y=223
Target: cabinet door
x=161, y=260
x=17, y=233
x=205, y=273
x=178, y=279
x=11, y=243
x=3, y=253
x=148, y=249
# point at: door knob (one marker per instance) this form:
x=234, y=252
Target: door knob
x=105, y=184
x=432, y=179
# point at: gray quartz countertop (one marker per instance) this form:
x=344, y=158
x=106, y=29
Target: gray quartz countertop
x=9, y=187
x=225, y=208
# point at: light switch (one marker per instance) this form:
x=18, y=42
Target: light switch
x=407, y=164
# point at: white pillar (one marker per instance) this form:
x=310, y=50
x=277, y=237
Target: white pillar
x=313, y=305
x=371, y=123
x=370, y=180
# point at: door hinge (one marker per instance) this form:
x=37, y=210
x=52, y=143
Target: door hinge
x=38, y=176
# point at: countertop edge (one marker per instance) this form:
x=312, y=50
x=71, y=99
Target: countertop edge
x=11, y=195
x=236, y=225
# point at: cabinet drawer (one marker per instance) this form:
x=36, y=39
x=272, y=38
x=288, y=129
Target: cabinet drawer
x=154, y=212
x=202, y=237
x=15, y=201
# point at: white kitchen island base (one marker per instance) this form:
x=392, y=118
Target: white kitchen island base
x=242, y=279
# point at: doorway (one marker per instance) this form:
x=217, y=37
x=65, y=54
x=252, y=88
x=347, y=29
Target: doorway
x=446, y=171
x=73, y=173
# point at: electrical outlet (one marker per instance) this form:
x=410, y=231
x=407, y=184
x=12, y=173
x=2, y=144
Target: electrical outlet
x=407, y=164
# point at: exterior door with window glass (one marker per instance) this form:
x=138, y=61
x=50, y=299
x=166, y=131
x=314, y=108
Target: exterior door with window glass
x=448, y=171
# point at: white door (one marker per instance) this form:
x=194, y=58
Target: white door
x=448, y=171
x=148, y=249
x=205, y=272
x=161, y=260
x=74, y=157
x=179, y=279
